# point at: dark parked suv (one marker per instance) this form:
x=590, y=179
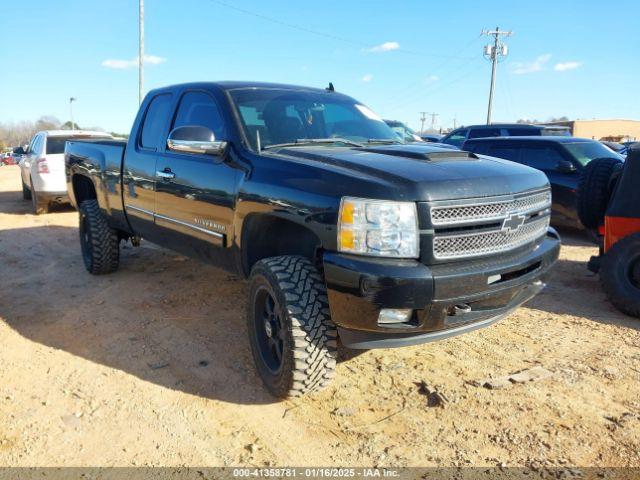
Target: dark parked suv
x=462, y=134
x=562, y=159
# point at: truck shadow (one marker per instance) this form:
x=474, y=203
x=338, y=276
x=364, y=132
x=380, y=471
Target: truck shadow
x=163, y=318
x=574, y=290
x=173, y=321
x=12, y=203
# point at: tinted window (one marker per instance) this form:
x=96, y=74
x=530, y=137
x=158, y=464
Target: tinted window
x=522, y=132
x=155, y=120
x=505, y=151
x=484, y=132
x=56, y=144
x=542, y=158
x=456, y=138
x=283, y=116
x=584, y=152
x=199, y=108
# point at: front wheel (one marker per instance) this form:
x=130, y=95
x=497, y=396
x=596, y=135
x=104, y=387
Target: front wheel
x=99, y=242
x=292, y=337
x=620, y=275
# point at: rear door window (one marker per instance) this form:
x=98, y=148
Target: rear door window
x=155, y=120
x=542, y=158
x=508, y=152
x=484, y=132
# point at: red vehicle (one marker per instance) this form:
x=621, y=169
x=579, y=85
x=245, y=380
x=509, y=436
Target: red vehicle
x=8, y=159
x=609, y=205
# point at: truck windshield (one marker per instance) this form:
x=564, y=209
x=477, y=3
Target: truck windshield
x=274, y=117
x=584, y=152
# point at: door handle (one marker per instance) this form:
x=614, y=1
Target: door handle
x=165, y=174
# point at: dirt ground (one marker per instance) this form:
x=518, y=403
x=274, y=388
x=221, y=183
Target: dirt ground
x=151, y=366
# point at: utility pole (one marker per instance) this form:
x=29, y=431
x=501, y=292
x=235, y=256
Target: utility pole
x=433, y=119
x=492, y=53
x=141, y=53
x=71, y=100
x=423, y=117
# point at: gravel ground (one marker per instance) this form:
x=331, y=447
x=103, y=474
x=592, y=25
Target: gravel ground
x=151, y=366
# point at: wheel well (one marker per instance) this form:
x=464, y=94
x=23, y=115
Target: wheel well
x=266, y=236
x=83, y=188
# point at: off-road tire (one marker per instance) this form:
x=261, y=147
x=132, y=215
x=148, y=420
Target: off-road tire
x=620, y=275
x=38, y=206
x=309, y=336
x=26, y=193
x=595, y=188
x=99, y=242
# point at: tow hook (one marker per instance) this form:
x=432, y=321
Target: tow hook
x=459, y=309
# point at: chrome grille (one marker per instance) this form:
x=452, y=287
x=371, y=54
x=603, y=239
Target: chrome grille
x=495, y=210
x=482, y=243
x=489, y=226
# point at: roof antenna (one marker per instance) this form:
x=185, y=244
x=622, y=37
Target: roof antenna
x=330, y=88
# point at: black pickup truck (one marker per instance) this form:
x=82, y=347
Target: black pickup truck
x=343, y=231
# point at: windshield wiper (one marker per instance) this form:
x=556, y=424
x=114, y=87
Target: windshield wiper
x=385, y=141
x=313, y=141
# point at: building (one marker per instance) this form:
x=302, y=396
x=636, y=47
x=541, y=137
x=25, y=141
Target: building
x=612, y=130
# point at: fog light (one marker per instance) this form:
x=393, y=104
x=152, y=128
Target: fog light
x=394, y=315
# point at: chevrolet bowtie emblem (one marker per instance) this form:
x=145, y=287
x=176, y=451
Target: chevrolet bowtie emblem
x=513, y=222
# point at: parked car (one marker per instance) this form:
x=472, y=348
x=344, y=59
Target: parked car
x=432, y=137
x=42, y=167
x=403, y=132
x=460, y=135
x=562, y=159
x=615, y=146
x=342, y=231
x=7, y=159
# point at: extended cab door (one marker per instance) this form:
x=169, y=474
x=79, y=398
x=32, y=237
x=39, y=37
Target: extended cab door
x=195, y=193
x=139, y=172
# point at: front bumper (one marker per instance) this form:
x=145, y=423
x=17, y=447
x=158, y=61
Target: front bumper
x=489, y=289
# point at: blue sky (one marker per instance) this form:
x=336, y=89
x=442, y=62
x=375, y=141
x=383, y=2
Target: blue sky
x=573, y=58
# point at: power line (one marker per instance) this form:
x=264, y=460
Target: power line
x=323, y=34
x=493, y=52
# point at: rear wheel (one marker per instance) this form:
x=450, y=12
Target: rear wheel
x=26, y=193
x=99, y=242
x=293, y=340
x=38, y=205
x=620, y=275
x=594, y=190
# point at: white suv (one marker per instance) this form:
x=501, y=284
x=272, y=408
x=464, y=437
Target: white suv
x=42, y=168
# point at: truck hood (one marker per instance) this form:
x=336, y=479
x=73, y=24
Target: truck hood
x=426, y=173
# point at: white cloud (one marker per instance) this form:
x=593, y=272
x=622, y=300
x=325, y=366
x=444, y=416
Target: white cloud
x=538, y=64
x=433, y=78
x=385, y=47
x=563, y=67
x=124, y=64
x=367, y=78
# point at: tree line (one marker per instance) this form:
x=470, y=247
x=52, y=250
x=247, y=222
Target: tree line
x=14, y=134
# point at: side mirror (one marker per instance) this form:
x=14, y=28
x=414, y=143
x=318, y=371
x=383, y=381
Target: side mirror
x=565, y=166
x=195, y=139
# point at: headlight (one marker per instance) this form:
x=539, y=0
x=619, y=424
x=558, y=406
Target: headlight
x=378, y=227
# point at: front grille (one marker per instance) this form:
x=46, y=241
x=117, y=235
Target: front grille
x=488, y=226
x=497, y=209
x=483, y=243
